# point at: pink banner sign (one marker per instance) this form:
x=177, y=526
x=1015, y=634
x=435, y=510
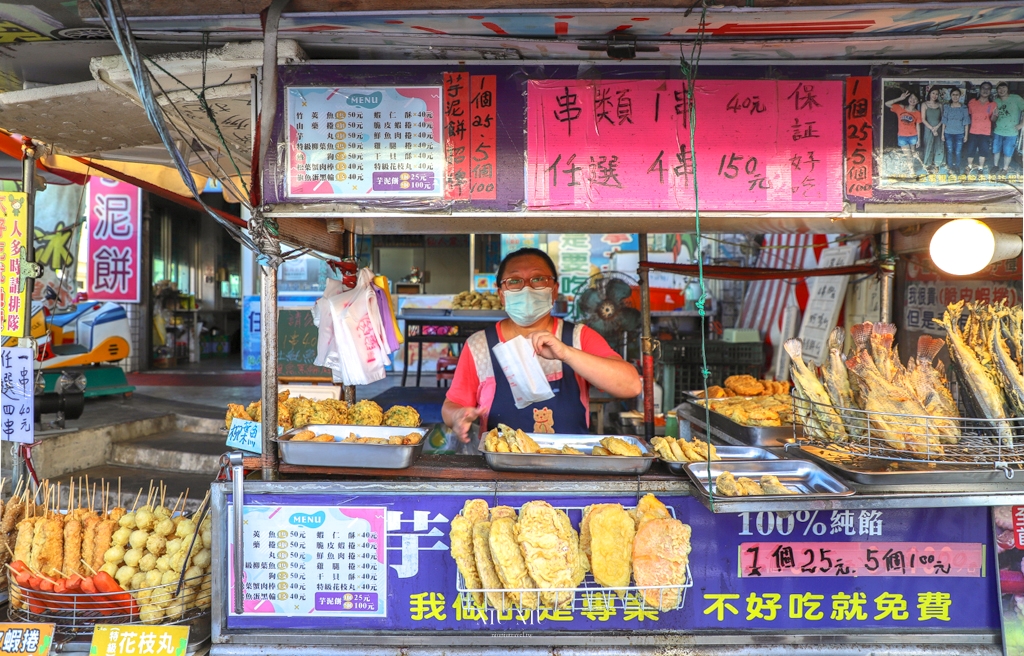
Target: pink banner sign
x=115, y=241
x=762, y=145
x=774, y=559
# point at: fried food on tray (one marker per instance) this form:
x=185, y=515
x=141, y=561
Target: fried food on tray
x=461, y=536
x=551, y=551
x=548, y=450
x=743, y=385
x=585, y=526
x=235, y=410
x=679, y=450
x=303, y=436
x=504, y=439
x=771, y=485
x=661, y=549
x=323, y=438
x=775, y=410
x=569, y=451
x=366, y=413
x=497, y=512
x=600, y=451
x=611, y=546
x=621, y=447
x=509, y=563
x=402, y=415
x=520, y=442
x=728, y=485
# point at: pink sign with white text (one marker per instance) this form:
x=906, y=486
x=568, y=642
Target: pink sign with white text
x=764, y=145
x=115, y=241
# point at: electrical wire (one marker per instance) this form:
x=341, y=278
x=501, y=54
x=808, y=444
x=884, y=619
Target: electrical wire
x=116, y=23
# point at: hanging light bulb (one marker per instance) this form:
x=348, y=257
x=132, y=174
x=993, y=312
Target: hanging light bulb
x=967, y=246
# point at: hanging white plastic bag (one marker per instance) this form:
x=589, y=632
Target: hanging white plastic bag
x=359, y=333
x=326, y=347
x=523, y=371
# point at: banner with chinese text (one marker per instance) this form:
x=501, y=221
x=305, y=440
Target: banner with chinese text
x=115, y=241
x=927, y=569
x=13, y=222
x=625, y=145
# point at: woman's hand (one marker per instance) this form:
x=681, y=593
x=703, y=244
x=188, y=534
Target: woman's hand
x=548, y=346
x=462, y=420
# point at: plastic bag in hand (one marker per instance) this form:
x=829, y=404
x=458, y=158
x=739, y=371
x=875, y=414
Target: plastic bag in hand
x=526, y=378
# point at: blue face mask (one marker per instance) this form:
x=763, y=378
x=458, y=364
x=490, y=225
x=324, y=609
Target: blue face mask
x=528, y=306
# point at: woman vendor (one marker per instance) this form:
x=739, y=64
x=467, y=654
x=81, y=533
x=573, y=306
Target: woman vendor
x=574, y=357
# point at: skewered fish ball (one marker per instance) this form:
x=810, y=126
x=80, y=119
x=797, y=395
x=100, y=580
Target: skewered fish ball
x=178, y=560
x=153, y=578
x=137, y=581
x=173, y=546
x=156, y=544
x=133, y=556
x=124, y=574
x=144, y=519
x=185, y=529
x=142, y=596
x=164, y=527
x=151, y=614
x=202, y=559
x=138, y=538
x=163, y=563
x=128, y=521
x=161, y=513
x=109, y=568
x=121, y=535
x=207, y=536
x=114, y=555
x=193, y=573
x=147, y=563
x=170, y=576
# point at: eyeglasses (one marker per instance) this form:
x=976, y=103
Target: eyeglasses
x=536, y=282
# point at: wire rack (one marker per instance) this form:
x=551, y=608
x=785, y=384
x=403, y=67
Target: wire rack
x=962, y=441
x=79, y=613
x=589, y=596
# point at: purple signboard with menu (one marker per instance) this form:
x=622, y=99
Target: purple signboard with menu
x=383, y=563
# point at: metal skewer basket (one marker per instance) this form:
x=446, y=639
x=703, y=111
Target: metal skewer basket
x=589, y=597
x=74, y=615
x=960, y=441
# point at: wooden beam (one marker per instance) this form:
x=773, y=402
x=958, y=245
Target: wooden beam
x=183, y=8
x=311, y=233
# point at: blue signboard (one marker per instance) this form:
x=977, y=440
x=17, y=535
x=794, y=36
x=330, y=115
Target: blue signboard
x=928, y=569
x=251, y=333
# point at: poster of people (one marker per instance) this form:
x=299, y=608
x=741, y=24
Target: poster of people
x=951, y=132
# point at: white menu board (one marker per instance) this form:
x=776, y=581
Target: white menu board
x=314, y=561
x=365, y=142
x=827, y=294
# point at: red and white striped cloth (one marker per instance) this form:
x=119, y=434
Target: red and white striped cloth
x=766, y=300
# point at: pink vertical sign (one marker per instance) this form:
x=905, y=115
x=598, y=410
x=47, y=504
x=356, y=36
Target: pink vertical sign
x=625, y=145
x=115, y=241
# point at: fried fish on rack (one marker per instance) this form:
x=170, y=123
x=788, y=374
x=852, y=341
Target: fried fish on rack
x=509, y=563
x=661, y=549
x=461, y=535
x=585, y=526
x=497, y=512
x=551, y=551
x=485, y=567
x=611, y=548
x=649, y=508
x=235, y=410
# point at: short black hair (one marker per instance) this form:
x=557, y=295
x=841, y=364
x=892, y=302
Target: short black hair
x=524, y=252
x=1003, y=84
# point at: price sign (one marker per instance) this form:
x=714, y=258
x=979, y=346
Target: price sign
x=800, y=559
x=246, y=435
x=17, y=395
x=115, y=640
x=26, y=638
x=827, y=295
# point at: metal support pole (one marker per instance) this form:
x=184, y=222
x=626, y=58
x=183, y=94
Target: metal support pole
x=235, y=461
x=888, y=277
x=646, y=343
x=349, y=391
x=268, y=370
x=28, y=176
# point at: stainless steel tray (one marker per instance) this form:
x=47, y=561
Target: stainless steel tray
x=875, y=471
x=424, y=313
x=480, y=314
x=557, y=463
x=731, y=431
x=348, y=454
x=805, y=478
x=726, y=453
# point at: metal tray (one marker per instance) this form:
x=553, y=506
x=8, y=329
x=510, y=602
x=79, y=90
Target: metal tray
x=480, y=314
x=347, y=454
x=806, y=478
x=726, y=453
x=876, y=471
x=557, y=463
x=736, y=433
x=424, y=313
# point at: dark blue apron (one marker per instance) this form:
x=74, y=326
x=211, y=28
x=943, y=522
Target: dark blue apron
x=564, y=413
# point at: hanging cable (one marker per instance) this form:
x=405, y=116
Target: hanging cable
x=116, y=22
x=689, y=71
